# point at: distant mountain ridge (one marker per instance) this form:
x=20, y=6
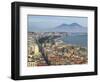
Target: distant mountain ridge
x=73, y=24
x=74, y=27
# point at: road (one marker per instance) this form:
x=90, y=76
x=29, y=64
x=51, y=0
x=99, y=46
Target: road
x=42, y=52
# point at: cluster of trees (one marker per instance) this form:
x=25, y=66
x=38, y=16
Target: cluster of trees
x=46, y=39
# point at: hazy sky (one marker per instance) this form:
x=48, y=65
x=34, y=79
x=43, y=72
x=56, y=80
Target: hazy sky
x=38, y=21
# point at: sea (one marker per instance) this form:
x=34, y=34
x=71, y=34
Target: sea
x=76, y=39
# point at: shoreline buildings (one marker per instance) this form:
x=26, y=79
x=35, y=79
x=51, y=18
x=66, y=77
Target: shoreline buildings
x=47, y=48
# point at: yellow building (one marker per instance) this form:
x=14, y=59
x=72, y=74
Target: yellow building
x=36, y=50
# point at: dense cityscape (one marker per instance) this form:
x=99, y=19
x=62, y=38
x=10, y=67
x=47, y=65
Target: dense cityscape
x=47, y=48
